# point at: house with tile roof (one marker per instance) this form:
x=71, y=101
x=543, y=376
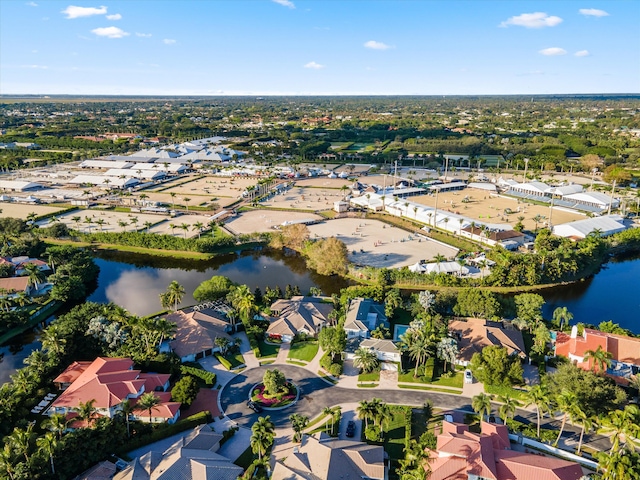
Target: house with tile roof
x=13, y=285
x=300, y=315
x=462, y=455
x=196, y=332
x=325, y=458
x=108, y=382
x=363, y=316
x=473, y=334
x=625, y=351
x=193, y=457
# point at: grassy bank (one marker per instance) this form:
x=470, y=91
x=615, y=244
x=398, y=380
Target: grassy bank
x=41, y=315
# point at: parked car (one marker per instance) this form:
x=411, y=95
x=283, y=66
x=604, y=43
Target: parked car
x=351, y=428
x=254, y=406
x=468, y=376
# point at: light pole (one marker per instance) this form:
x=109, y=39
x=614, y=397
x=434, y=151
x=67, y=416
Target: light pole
x=526, y=164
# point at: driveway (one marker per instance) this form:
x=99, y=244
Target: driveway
x=348, y=414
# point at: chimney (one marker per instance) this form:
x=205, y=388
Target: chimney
x=574, y=331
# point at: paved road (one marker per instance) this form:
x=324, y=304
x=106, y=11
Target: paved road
x=318, y=394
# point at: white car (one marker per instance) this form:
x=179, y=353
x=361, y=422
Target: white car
x=468, y=376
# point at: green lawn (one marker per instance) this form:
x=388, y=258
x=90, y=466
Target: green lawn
x=369, y=377
x=430, y=389
x=230, y=360
x=504, y=391
x=304, y=351
x=267, y=350
x=394, y=435
x=431, y=373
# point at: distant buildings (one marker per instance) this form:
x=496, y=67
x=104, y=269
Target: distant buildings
x=603, y=226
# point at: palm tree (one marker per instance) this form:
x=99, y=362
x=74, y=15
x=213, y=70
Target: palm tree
x=508, y=407
x=143, y=197
x=148, y=401
x=37, y=360
x=48, y=445
x=148, y=225
x=122, y=224
x=20, y=440
x=7, y=460
x=57, y=424
x=418, y=348
x=86, y=410
x=601, y=359
x=126, y=408
x=439, y=258
x=298, y=423
x=562, y=315
x=173, y=199
x=261, y=441
x=328, y=411
x=89, y=222
x=164, y=329
x=172, y=226
x=577, y=415
x=198, y=226
x=242, y=299
x=134, y=222
x=623, y=426
x=538, y=396
x=565, y=401
x=365, y=359
x=174, y=294
x=481, y=404
x=77, y=220
x=621, y=465
x=365, y=412
x=100, y=222
x=34, y=273
x=186, y=202
x=223, y=344
x=381, y=413
x=264, y=424
x=185, y=228
x=53, y=340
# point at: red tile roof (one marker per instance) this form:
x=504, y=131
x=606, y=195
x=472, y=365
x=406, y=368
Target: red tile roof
x=488, y=455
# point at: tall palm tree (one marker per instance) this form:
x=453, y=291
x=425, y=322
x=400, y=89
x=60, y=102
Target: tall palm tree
x=365, y=412
x=565, y=401
x=623, y=426
x=57, y=424
x=100, y=222
x=148, y=401
x=577, y=415
x=186, y=202
x=126, y=408
x=174, y=294
x=20, y=440
x=481, y=404
x=439, y=258
x=53, y=340
x=164, y=329
x=621, y=465
x=365, y=359
x=601, y=359
x=148, y=225
x=173, y=199
x=508, y=408
x=34, y=273
x=328, y=411
x=264, y=424
x=185, y=229
x=261, y=441
x=538, y=396
x=298, y=424
x=562, y=315
x=418, y=347
x=243, y=300
x=86, y=410
x=48, y=444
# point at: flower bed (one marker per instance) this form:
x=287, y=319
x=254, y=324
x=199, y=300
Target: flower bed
x=273, y=401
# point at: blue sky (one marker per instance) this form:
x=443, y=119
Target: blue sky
x=262, y=47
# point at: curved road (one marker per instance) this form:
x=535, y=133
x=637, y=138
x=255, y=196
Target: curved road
x=317, y=394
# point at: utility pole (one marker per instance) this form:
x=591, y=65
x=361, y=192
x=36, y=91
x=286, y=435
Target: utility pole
x=526, y=164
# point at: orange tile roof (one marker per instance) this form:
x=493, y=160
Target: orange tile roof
x=624, y=349
x=72, y=372
x=477, y=333
x=14, y=284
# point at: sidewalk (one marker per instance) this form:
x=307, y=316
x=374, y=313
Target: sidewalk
x=283, y=353
x=250, y=359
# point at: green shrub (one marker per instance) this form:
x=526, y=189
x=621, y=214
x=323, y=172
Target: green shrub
x=335, y=369
x=225, y=363
x=208, y=377
x=325, y=361
x=373, y=433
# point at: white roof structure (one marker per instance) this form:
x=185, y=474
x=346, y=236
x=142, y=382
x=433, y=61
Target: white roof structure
x=105, y=164
x=207, y=156
x=536, y=188
x=160, y=167
x=18, y=185
x=565, y=190
x=128, y=158
x=139, y=173
x=607, y=225
x=442, y=267
x=482, y=186
x=155, y=153
x=105, y=182
x=593, y=198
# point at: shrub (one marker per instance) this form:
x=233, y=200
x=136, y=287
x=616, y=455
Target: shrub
x=185, y=390
x=326, y=360
x=335, y=369
x=225, y=363
x=208, y=377
x=373, y=433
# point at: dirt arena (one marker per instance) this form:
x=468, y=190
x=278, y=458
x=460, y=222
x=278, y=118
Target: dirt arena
x=178, y=200
x=134, y=221
x=489, y=208
x=309, y=199
x=264, y=220
x=214, y=186
x=323, y=182
x=377, y=244
x=21, y=210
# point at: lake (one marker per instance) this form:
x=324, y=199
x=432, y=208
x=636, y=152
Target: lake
x=135, y=282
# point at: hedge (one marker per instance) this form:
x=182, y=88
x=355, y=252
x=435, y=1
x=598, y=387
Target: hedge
x=166, y=430
x=225, y=363
x=208, y=377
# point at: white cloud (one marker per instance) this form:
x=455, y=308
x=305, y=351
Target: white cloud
x=376, y=45
x=31, y=4
x=533, y=20
x=110, y=32
x=143, y=35
x=314, y=65
x=582, y=53
x=593, y=12
x=73, y=11
x=285, y=3
x=553, y=51
x=115, y=16
x=168, y=41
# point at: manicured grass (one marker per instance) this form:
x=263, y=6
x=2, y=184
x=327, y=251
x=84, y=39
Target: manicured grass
x=394, y=434
x=267, y=350
x=326, y=377
x=367, y=385
x=504, y=391
x=267, y=362
x=431, y=373
x=304, y=351
x=369, y=377
x=431, y=389
x=294, y=362
x=231, y=360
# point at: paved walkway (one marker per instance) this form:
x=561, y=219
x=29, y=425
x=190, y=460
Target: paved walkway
x=283, y=353
x=388, y=379
x=250, y=359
